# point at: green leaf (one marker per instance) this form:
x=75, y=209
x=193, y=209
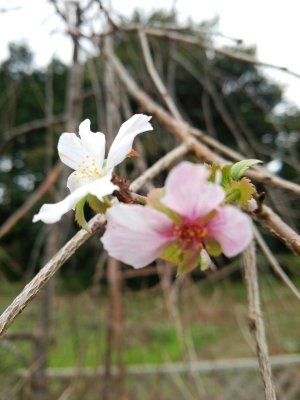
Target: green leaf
x=241, y=191
x=238, y=169
x=226, y=175
x=79, y=215
x=213, y=247
x=96, y=205
x=232, y=195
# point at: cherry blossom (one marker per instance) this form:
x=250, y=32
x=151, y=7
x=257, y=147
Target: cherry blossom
x=180, y=223
x=92, y=172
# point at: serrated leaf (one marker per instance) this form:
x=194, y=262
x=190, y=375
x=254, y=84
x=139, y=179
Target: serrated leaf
x=96, y=205
x=154, y=201
x=79, y=215
x=232, y=194
x=238, y=169
x=242, y=191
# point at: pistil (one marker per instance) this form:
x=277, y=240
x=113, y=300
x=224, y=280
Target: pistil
x=190, y=233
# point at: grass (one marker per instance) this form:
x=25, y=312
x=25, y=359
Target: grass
x=214, y=319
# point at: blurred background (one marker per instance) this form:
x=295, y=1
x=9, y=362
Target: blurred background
x=101, y=330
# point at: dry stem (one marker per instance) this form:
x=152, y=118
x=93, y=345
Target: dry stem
x=32, y=200
x=256, y=322
x=34, y=286
x=274, y=263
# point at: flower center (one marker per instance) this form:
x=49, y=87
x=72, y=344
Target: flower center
x=89, y=168
x=190, y=233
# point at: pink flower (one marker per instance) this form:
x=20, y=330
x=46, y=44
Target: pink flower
x=178, y=223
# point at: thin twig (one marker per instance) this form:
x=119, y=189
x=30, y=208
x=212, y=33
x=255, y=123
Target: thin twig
x=32, y=200
x=183, y=131
x=34, y=286
x=46, y=273
x=278, y=228
x=274, y=263
x=160, y=165
x=155, y=76
x=199, y=43
x=186, y=39
x=29, y=127
x=256, y=322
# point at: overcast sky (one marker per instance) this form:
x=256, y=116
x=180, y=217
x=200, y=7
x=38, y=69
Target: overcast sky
x=273, y=26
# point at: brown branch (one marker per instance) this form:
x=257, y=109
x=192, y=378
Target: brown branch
x=155, y=76
x=278, y=228
x=46, y=273
x=183, y=131
x=256, y=322
x=29, y=127
x=161, y=164
x=186, y=39
x=32, y=200
x=274, y=263
x=210, y=88
x=111, y=22
x=199, y=43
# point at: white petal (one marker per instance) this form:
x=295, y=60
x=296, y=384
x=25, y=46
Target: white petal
x=76, y=180
x=70, y=150
x=51, y=213
x=102, y=187
x=93, y=142
x=84, y=127
x=99, y=187
x=122, y=145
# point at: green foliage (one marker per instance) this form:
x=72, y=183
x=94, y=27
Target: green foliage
x=238, y=169
x=79, y=334
x=79, y=215
x=238, y=189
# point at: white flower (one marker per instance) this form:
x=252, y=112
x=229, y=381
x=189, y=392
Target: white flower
x=92, y=173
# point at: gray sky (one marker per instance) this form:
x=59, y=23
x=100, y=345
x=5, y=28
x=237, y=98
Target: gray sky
x=272, y=26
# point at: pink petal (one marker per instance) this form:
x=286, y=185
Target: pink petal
x=136, y=235
x=189, y=193
x=232, y=229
